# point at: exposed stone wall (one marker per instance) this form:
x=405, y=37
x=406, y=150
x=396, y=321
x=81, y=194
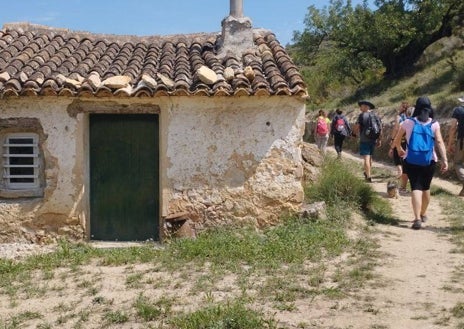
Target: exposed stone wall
x=236, y=161
x=57, y=212
x=222, y=160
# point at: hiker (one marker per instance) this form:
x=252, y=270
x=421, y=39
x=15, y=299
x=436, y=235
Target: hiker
x=340, y=128
x=321, y=131
x=369, y=128
x=393, y=153
x=423, y=136
x=456, y=140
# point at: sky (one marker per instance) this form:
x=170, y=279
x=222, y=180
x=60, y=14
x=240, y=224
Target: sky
x=157, y=17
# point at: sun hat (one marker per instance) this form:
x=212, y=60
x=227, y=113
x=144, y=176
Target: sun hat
x=364, y=102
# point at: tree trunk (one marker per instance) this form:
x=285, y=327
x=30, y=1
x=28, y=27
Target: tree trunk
x=403, y=62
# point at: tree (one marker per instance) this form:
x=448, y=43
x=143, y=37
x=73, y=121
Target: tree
x=396, y=33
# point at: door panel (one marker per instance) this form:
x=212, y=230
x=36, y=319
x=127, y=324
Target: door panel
x=124, y=183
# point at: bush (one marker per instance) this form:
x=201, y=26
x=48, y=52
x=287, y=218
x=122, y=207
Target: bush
x=343, y=191
x=338, y=184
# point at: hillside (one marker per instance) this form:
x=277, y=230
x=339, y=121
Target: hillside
x=438, y=74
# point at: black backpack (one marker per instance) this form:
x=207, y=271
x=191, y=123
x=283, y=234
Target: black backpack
x=374, y=126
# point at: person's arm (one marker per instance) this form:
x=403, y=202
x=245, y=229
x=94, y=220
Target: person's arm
x=357, y=126
x=396, y=143
x=378, y=142
x=348, y=126
x=395, y=129
x=440, y=144
x=452, y=136
x=356, y=130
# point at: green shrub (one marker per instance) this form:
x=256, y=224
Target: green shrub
x=344, y=192
x=338, y=184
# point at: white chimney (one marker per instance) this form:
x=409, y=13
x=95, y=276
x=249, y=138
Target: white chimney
x=237, y=33
x=236, y=8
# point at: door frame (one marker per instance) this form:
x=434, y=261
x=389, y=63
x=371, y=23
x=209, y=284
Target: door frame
x=110, y=107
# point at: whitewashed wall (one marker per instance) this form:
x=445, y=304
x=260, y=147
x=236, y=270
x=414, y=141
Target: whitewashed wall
x=222, y=160
x=233, y=160
x=60, y=209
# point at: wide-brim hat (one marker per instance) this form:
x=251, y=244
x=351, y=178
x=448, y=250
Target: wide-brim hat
x=371, y=106
x=461, y=99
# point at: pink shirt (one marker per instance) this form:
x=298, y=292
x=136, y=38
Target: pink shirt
x=409, y=124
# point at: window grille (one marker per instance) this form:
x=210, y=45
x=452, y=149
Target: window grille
x=21, y=161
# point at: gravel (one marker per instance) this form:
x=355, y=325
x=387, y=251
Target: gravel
x=23, y=250
x=19, y=250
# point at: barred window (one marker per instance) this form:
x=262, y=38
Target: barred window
x=20, y=161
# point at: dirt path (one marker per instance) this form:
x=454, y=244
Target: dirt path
x=415, y=285
x=417, y=282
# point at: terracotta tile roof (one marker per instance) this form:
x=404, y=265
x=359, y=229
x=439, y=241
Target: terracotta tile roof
x=37, y=60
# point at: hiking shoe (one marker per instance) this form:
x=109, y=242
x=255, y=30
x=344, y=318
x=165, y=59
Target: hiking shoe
x=424, y=218
x=416, y=224
x=369, y=179
x=365, y=176
x=403, y=191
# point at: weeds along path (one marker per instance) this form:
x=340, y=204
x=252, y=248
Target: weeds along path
x=418, y=279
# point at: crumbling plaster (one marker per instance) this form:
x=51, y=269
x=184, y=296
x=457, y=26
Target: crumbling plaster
x=50, y=213
x=221, y=160
x=234, y=160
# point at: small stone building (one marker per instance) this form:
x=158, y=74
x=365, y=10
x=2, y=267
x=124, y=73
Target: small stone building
x=106, y=137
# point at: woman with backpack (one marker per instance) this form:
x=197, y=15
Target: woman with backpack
x=423, y=137
x=321, y=131
x=340, y=128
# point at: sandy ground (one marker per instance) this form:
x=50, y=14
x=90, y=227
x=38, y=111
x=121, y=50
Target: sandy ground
x=417, y=280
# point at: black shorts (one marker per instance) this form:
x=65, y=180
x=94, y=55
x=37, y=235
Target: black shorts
x=420, y=177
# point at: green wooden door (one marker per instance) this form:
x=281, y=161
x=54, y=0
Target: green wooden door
x=124, y=193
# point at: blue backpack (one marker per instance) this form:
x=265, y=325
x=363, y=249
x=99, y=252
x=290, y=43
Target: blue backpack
x=421, y=143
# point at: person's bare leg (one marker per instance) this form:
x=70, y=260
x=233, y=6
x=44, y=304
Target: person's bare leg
x=399, y=171
x=367, y=165
x=416, y=201
x=370, y=165
x=404, y=180
x=425, y=203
